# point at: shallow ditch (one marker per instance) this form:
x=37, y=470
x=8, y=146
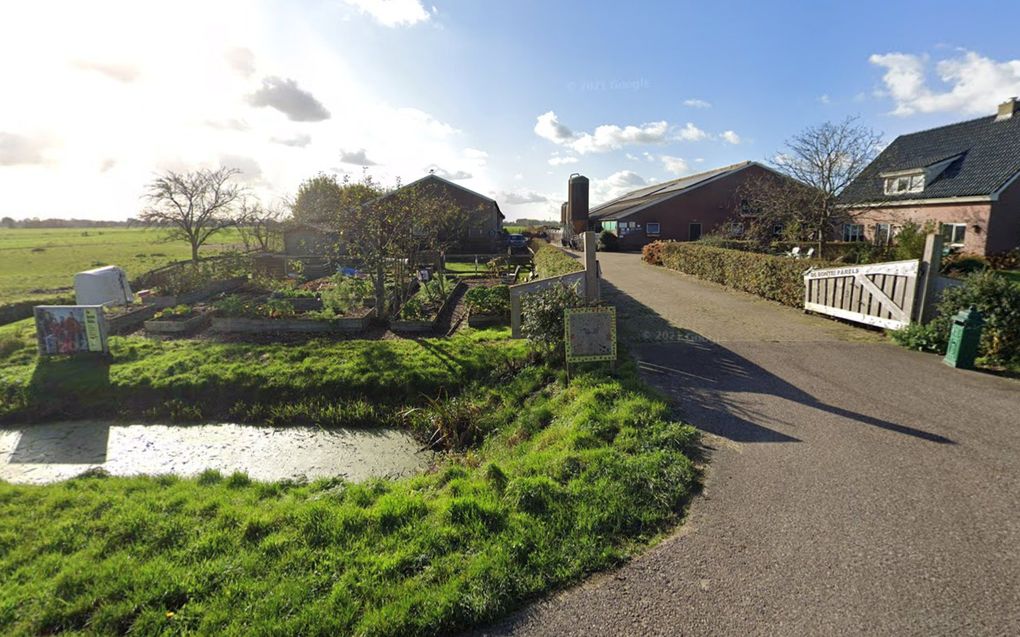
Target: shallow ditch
x=41, y=453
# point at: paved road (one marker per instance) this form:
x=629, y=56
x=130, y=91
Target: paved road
x=854, y=488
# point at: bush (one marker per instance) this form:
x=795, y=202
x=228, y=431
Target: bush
x=652, y=252
x=960, y=264
x=775, y=278
x=542, y=316
x=182, y=278
x=923, y=338
x=998, y=300
x=551, y=261
x=608, y=242
x=347, y=293
x=488, y=300
x=909, y=240
x=1006, y=260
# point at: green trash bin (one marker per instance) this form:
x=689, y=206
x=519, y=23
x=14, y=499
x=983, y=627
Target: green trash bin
x=964, y=339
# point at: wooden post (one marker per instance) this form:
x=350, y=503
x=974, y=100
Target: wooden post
x=591, y=268
x=931, y=264
x=515, y=314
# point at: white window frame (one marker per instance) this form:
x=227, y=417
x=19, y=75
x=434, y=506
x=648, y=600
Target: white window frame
x=853, y=232
x=653, y=228
x=951, y=240
x=888, y=229
x=902, y=184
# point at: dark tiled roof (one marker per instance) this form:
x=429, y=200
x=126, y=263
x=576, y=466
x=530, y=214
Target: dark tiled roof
x=987, y=155
x=636, y=199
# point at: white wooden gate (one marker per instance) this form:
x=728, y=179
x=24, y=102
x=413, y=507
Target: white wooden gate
x=880, y=294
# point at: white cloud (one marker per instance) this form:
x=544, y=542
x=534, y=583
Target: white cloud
x=474, y=153
x=614, y=185
x=452, y=175
x=19, y=149
x=392, y=13
x=604, y=138
x=242, y=60
x=691, y=133
x=297, y=141
x=676, y=165
x=521, y=197
x=556, y=160
x=125, y=73
x=696, y=103
x=730, y=136
x=969, y=83
x=824, y=99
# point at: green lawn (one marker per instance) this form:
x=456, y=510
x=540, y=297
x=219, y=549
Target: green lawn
x=37, y=263
x=1012, y=275
x=552, y=482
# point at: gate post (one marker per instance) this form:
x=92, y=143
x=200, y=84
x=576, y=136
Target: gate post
x=931, y=265
x=591, y=268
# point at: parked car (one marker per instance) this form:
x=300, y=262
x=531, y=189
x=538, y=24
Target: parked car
x=517, y=242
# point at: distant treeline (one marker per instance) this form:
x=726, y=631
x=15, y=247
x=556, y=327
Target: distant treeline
x=35, y=222
x=531, y=222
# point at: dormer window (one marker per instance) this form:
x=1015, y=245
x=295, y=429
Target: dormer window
x=902, y=184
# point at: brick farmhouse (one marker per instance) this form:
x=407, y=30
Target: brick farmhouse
x=962, y=177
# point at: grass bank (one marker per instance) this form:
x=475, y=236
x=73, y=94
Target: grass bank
x=357, y=382
x=559, y=481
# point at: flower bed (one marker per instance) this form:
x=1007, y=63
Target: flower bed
x=200, y=294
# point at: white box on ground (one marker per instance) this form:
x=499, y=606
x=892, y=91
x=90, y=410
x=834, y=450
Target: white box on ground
x=102, y=286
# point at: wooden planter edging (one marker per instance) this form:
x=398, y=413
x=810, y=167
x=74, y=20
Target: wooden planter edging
x=249, y=325
x=301, y=303
x=487, y=320
x=199, y=295
x=193, y=324
x=417, y=327
x=128, y=321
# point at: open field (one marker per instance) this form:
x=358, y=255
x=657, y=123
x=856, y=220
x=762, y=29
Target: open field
x=41, y=263
x=548, y=482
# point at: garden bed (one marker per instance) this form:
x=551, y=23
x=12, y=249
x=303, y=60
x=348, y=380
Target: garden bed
x=202, y=294
x=348, y=324
x=488, y=305
x=185, y=323
x=423, y=325
x=129, y=318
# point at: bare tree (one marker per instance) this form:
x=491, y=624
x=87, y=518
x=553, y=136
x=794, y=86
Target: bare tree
x=825, y=159
x=192, y=206
x=258, y=225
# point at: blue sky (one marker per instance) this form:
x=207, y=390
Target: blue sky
x=507, y=98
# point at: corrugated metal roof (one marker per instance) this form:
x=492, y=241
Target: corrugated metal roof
x=638, y=199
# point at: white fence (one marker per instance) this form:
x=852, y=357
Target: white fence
x=880, y=294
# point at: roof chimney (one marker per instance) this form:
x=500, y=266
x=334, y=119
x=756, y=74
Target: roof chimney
x=1008, y=109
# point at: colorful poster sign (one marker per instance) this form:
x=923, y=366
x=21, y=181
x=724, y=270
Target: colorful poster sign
x=70, y=329
x=590, y=334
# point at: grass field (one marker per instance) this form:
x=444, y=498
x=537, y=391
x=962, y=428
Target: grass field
x=549, y=482
x=39, y=263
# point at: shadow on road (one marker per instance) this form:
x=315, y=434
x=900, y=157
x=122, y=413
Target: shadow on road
x=702, y=377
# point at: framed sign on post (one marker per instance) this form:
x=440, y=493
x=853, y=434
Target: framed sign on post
x=70, y=329
x=590, y=334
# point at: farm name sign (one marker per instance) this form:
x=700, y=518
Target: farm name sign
x=70, y=329
x=590, y=334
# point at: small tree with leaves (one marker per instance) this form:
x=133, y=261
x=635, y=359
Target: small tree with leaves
x=823, y=160
x=192, y=206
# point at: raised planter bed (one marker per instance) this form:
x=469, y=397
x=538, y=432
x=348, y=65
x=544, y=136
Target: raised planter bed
x=178, y=326
x=202, y=294
x=419, y=326
x=487, y=320
x=130, y=320
x=301, y=303
x=347, y=324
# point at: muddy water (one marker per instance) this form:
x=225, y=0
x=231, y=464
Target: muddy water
x=49, y=452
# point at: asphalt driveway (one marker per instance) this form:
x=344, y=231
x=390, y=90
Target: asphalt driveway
x=854, y=487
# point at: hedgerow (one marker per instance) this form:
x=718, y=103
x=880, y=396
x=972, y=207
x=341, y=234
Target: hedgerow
x=550, y=261
x=772, y=277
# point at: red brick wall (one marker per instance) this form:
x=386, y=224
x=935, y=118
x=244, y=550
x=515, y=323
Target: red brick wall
x=712, y=205
x=976, y=214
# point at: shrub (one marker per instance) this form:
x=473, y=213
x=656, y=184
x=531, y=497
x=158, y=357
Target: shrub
x=924, y=338
x=347, y=293
x=488, y=300
x=550, y=261
x=772, y=277
x=1006, y=260
x=182, y=278
x=608, y=242
x=909, y=240
x=652, y=252
x=998, y=300
x=960, y=264
x=542, y=316
x=169, y=313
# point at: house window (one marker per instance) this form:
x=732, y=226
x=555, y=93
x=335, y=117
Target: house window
x=735, y=229
x=953, y=234
x=853, y=232
x=777, y=230
x=883, y=233
x=652, y=228
x=904, y=184
x=694, y=232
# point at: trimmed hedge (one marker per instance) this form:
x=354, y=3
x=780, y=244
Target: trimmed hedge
x=775, y=278
x=550, y=261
